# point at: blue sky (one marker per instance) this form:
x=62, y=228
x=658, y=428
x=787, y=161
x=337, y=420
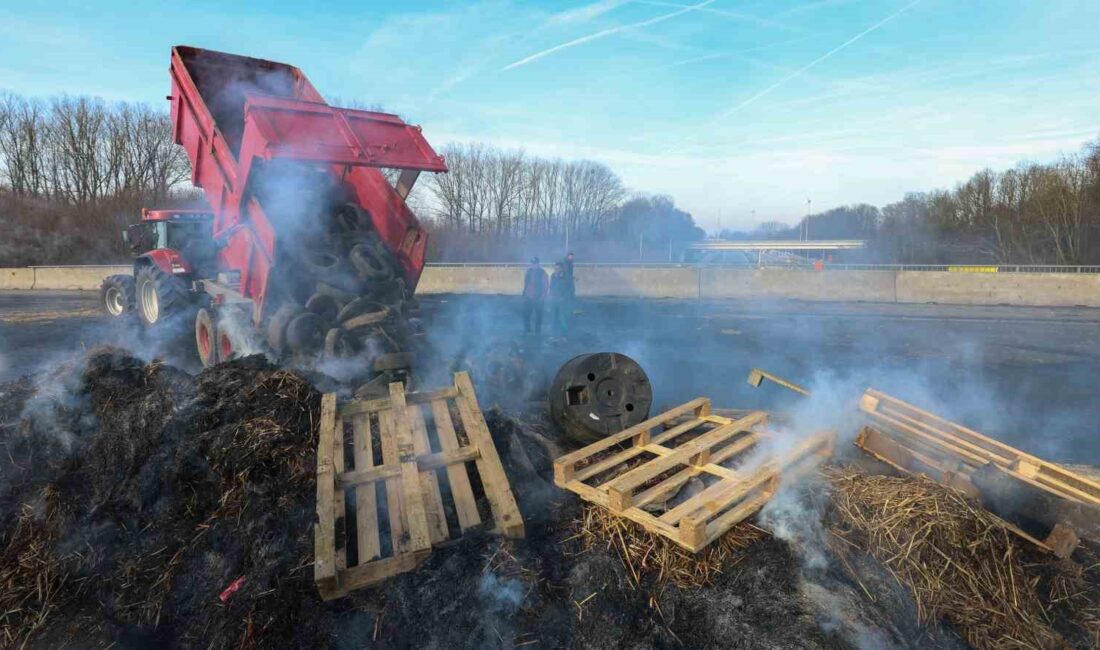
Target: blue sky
x=741, y=110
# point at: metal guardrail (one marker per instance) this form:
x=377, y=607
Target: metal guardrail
x=956, y=268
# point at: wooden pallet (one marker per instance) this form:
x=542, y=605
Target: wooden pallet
x=1009, y=482
x=408, y=462
x=633, y=469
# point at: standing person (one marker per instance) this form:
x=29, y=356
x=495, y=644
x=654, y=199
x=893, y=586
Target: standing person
x=535, y=286
x=568, y=266
x=560, y=299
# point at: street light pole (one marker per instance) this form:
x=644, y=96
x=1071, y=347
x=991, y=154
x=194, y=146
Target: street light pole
x=807, y=220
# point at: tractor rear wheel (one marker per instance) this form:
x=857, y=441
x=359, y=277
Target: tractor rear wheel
x=159, y=295
x=116, y=295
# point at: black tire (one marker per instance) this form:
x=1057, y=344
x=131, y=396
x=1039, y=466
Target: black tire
x=372, y=262
x=324, y=306
x=358, y=307
x=276, y=326
x=336, y=292
x=338, y=345
x=160, y=296
x=305, y=333
x=117, y=295
x=319, y=263
x=206, y=338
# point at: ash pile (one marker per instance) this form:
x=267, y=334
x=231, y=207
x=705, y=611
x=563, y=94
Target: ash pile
x=141, y=506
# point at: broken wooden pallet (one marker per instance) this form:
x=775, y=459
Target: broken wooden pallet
x=1053, y=503
x=408, y=470
x=630, y=470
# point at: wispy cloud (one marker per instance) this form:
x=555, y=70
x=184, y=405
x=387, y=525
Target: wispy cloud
x=584, y=13
x=799, y=72
x=736, y=15
x=603, y=33
x=727, y=55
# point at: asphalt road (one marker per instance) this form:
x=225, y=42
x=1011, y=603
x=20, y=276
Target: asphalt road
x=1026, y=375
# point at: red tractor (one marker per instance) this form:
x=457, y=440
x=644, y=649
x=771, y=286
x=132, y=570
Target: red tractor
x=309, y=248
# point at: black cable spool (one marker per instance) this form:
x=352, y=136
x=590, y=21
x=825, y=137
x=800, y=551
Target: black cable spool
x=599, y=394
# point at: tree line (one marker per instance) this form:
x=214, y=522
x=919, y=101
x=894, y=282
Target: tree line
x=502, y=205
x=75, y=170
x=1036, y=213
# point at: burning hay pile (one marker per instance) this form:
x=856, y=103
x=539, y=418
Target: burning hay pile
x=649, y=556
x=134, y=495
x=960, y=564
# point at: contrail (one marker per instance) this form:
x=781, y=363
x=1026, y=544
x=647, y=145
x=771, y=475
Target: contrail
x=764, y=22
x=821, y=58
x=602, y=33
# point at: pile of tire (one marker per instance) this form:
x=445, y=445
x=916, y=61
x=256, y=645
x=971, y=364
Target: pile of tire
x=348, y=300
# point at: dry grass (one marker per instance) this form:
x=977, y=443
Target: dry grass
x=32, y=576
x=645, y=554
x=956, y=560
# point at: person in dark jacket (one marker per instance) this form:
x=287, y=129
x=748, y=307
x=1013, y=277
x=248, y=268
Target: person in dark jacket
x=568, y=265
x=535, y=286
x=560, y=299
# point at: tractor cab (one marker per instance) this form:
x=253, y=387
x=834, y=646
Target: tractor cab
x=174, y=229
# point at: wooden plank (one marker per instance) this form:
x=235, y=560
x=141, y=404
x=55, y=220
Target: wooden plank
x=989, y=444
x=497, y=490
x=340, y=495
x=457, y=476
x=425, y=462
x=620, y=489
x=974, y=455
x=720, y=495
x=588, y=471
x=365, y=575
x=1032, y=506
x=416, y=517
x=757, y=377
x=429, y=482
x=324, y=531
x=366, y=498
x=354, y=407
x=395, y=508
x=667, y=487
x=563, y=465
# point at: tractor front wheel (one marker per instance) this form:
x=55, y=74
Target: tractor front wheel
x=116, y=295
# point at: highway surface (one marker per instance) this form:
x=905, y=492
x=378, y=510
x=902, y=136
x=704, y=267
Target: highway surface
x=1026, y=375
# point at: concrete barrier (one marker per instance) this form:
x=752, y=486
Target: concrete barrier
x=85, y=278
x=710, y=283
x=845, y=286
x=1025, y=289
x=637, y=282
x=471, y=279
x=16, y=279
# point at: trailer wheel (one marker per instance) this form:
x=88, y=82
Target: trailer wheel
x=206, y=338
x=371, y=262
x=226, y=349
x=116, y=294
x=159, y=295
x=305, y=333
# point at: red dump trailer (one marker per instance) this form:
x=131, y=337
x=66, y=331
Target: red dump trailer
x=308, y=203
